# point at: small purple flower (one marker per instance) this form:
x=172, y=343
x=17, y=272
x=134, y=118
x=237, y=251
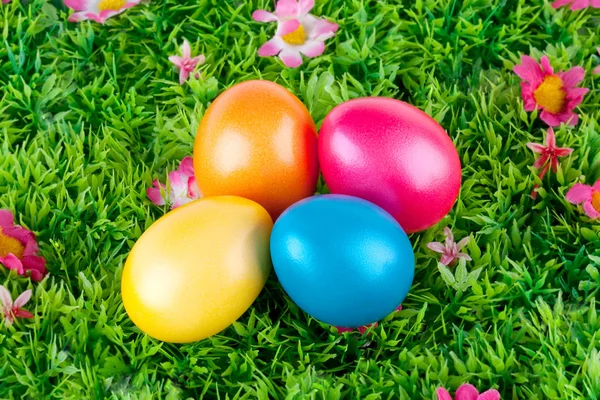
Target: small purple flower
x=450, y=250
x=186, y=64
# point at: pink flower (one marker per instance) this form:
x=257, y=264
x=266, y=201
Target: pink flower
x=186, y=64
x=577, y=4
x=555, y=94
x=468, y=392
x=450, y=250
x=362, y=329
x=98, y=10
x=5, y=1
x=297, y=32
x=597, y=69
x=18, y=249
x=12, y=310
x=183, y=187
x=549, y=156
x=588, y=195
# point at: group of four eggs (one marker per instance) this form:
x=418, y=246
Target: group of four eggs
x=344, y=258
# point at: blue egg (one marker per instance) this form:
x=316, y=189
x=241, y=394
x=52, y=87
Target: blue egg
x=343, y=260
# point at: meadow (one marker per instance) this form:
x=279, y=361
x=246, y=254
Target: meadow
x=91, y=114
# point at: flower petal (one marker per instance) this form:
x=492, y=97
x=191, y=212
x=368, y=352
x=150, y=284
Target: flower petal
x=156, y=196
x=447, y=259
x=178, y=185
x=184, y=74
x=77, y=5
x=579, y=193
x=573, y=76
x=466, y=392
x=539, y=163
x=529, y=103
x=12, y=262
x=186, y=50
x=291, y=58
x=580, y=5
x=6, y=219
x=198, y=60
x=5, y=298
x=544, y=170
x=312, y=48
x=193, y=189
x=78, y=16
x=550, y=119
x=263, y=16
x=568, y=117
x=287, y=26
x=272, y=47
x=442, y=394
x=186, y=166
x=25, y=236
x=546, y=66
x=321, y=29
x=536, y=147
x=35, y=266
x=31, y=247
x=550, y=139
x=529, y=70
x=596, y=70
x=464, y=256
x=589, y=209
x=575, y=96
x=449, y=238
x=437, y=247
x=178, y=61
x=304, y=6
x=36, y=276
x=286, y=9
x=342, y=330
x=463, y=242
x=560, y=3
x=562, y=151
x=596, y=186
x=23, y=314
x=491, y=394
x=22, y=299
x=363, y=329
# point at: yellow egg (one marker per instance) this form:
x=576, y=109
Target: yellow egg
x=198, y=268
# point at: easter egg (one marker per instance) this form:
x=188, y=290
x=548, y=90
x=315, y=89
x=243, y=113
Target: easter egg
x=258, y=141
x=198, y=268
x=394, y=155
x=341, y=259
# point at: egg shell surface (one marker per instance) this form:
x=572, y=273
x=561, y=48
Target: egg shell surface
x=257, y=140
x=198, y=268
x=341, y=259
x=394, y=155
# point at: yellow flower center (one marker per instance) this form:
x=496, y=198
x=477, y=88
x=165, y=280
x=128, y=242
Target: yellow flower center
x=596, y=200
x=551, y=95
x=112, y=5
x=297, y=37
x=10, y=245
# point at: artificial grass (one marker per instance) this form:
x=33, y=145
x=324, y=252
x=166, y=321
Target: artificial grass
x=90, y=114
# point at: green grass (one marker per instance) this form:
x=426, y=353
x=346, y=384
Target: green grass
x=90, y=114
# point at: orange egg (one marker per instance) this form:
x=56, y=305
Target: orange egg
x=257, y=140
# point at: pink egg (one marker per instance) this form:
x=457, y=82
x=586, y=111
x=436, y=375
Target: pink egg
x=394, y=155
